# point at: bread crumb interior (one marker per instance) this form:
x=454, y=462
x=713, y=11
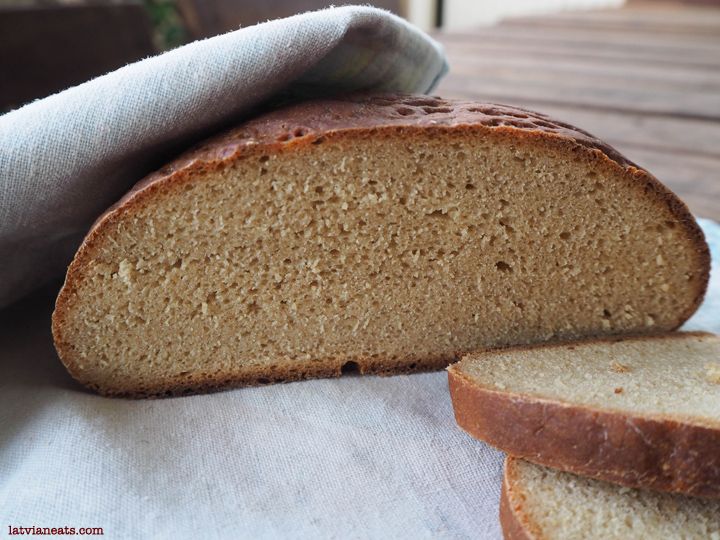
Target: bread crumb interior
x=382, y=248
x=661, y=377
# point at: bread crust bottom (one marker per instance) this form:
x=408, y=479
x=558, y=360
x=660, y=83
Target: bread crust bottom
x=258, y=375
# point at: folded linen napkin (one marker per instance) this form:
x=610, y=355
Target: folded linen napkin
x=66, y=158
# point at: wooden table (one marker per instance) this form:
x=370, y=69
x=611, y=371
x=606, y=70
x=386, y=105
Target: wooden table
x=645, y=79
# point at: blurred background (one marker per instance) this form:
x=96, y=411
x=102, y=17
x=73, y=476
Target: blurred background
x=642, y=74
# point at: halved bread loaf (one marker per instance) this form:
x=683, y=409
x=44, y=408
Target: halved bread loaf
x=636, y=411
x=383, y=233
x=539, y=503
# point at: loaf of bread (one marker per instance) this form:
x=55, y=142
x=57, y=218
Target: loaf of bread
x=538, y=503
x=641, y=412
x=383, y=234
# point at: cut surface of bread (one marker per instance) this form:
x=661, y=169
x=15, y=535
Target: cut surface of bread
x=641, y=411
x=540, y=503
x=382, y=233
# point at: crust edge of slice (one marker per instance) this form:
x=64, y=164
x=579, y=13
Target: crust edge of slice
x=655, y=452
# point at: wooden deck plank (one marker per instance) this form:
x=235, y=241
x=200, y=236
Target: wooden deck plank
x=593, y=56
x=690, y=30
x=651, y=17
x=595, y=75
x=549, y=46
x=703, y=106
x=589, y=74
x=552, y=31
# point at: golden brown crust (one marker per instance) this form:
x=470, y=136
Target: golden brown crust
x=514, y=524
x=660, y=453
x=314, y=122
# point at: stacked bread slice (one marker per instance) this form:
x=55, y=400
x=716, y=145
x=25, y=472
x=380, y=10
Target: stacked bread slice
x=540, y=502
x=633, y=412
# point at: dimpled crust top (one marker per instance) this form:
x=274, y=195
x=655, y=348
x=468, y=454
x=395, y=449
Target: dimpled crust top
x=383, y=234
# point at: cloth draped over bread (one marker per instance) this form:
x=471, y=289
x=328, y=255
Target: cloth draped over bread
x=67, y=157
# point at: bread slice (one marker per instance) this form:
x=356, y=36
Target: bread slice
x=377, y=233
x=539, y=503
x=641, y=412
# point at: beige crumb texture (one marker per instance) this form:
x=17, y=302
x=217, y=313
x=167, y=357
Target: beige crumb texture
x=712, y=372
x=671, y=375
x=617, y=367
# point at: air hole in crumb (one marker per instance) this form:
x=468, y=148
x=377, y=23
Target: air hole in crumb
x=405, y=111
x=263, y=159
x=606, y=314
x=565, y=235
x=284, y=137
x=503, y=267
x=350, y=367
x=319, y=189
x=299, y=132
x=469, y=186
x=412, y=366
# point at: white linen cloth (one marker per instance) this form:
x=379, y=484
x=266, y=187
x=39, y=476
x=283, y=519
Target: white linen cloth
x=66, y=158
x=355, y=457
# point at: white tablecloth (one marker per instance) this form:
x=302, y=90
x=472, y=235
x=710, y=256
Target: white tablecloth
x=356, y=457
